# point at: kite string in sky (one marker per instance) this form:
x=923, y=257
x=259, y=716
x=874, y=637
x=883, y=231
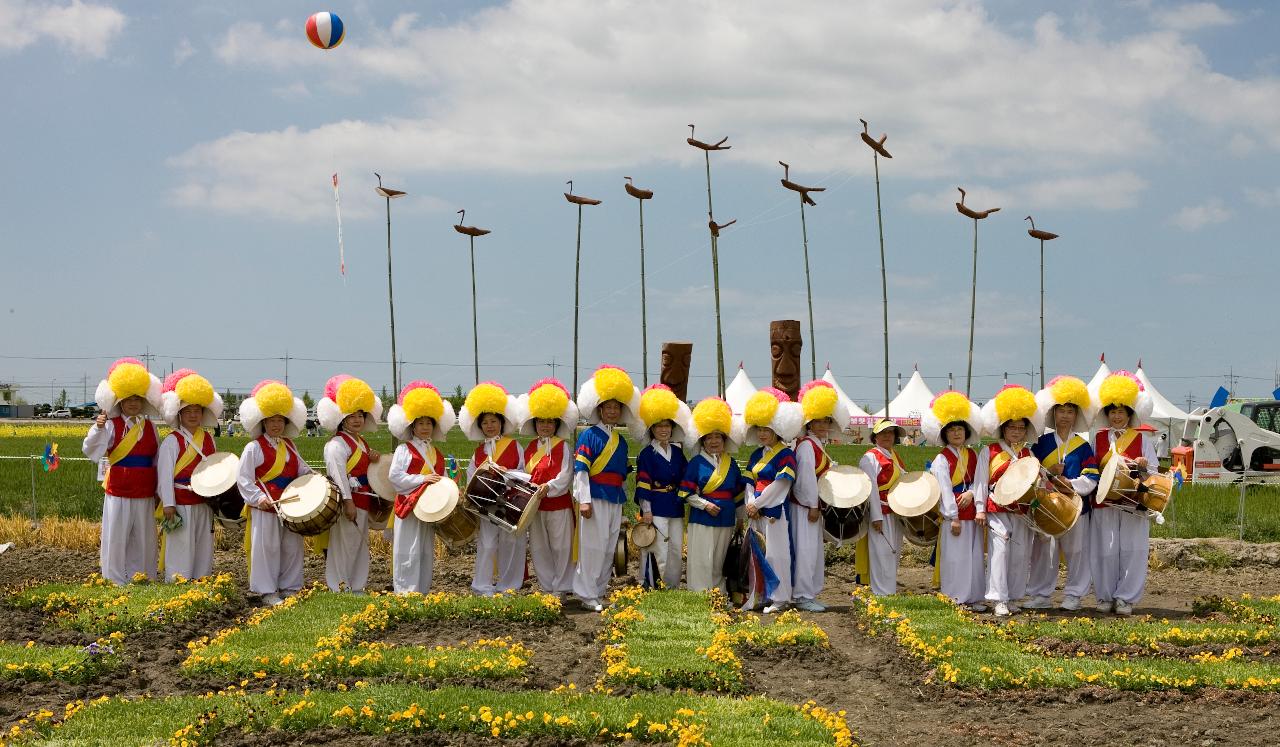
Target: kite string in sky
x=337, y=206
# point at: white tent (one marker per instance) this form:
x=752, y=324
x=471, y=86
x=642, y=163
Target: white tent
x=739, y=391
x=912, y=401
x=854, y=410
x=1165, y=416
x=1096, y=382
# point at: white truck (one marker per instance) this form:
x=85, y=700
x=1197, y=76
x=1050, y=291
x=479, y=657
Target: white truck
x=1236, y=442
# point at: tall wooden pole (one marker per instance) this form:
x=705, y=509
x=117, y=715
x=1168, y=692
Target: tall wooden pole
x=391, y=303
x=1042, y=313
x=577, y=278
x=475, y=326
x=884, y=282
x=973, y=309
x=644, y=321
x=808, y=289
x=715, y=278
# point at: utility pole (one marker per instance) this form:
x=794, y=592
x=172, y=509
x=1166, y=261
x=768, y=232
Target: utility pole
x=286, y=366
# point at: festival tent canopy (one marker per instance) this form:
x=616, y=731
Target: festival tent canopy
x=1161, y=408
x=739, y=391
x=854, y=410
x=1103, y=372
x=912, y=401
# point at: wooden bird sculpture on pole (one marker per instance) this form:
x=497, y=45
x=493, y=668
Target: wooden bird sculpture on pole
x=706, y=149
x=471, y=232
x=641, y=195
x=580, y=201
x=976, y=215
x=805, y=199
x=1041, y=236
x=877, y=150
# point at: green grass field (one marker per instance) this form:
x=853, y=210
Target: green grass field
x=72, y=491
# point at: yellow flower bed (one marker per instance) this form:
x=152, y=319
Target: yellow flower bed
x=97, y=606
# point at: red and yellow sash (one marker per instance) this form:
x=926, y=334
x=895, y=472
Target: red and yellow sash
x=1120, y=446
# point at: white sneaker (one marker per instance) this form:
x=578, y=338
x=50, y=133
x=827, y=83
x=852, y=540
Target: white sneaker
x=1103, y=607
x=592, y=604
x=1038, y=603
x=1070, y=603
x=1002, y=609
x=775, y=607
x=272, y=599
x=1123, y=608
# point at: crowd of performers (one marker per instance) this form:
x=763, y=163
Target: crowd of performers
x=688, y=485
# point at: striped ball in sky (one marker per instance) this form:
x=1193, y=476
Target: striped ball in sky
x=325, y=30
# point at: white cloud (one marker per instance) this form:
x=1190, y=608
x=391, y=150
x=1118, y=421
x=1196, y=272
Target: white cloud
x=86, y=29
x=570, y=85
x=1192, y=16
x=1266, y=198
x=1112, y=191
x=184, y=51
x=1195, y=217
x=293, y=91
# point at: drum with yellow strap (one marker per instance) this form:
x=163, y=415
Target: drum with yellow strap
x=914, y=502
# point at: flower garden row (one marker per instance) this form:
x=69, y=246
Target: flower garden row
x=970, y=653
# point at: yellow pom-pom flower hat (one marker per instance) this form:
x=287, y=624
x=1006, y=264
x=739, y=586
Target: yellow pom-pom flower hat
x=713, y=415
x=1013, y=402
x=1066, y=390
x=773, y=409
x=420, y=399
x=548, y=399
x=658, y=404
x=488, y=396
x=610, y=383
x=126, y=378
x=186, y=387
x=947, y=408
x=270, y=398
x=343, y=396
x=1122, y=389
x=818, y=400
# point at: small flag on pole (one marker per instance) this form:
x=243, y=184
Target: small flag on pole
x=337, y=206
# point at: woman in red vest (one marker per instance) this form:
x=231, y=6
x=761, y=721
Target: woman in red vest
x=420, y=419
x=1119, y=536
x=272, y=417
x=349, y=407
x=124, y=442
x=190, y=406
x=549, y=414
x=1010, y=416
x=884, y=468
x=952, y=422
x=490, y=416
x=824, y=415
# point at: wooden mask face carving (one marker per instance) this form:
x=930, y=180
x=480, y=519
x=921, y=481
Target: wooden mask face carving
x=676, y=357
x=785, y=346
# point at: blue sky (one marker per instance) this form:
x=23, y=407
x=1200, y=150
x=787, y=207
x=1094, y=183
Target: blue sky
x=168, y=186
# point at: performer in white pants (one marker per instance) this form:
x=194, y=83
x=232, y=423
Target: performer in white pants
x=600, y=469
x=550, y=415
x=489, y=415
x=660, y=467
x=1120, y=536
x=419, y=418
x=884, y=468
x=348, y=409
x=1009, y=417
x=190, y=406
x=772, y=420
x=124, y=437
x=712, y=486
x=823, y=413
x=953, y=422
x=272, y=416
x=1066, y=407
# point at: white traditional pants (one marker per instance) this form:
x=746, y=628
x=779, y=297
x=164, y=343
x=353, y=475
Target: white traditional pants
x=667, y=552
x=708, y=546
x=413, y=553
x=808, y=561
x=1119, y=543
x=499, y=559
x=551, y=545
x=885, y=547
x=777, y=551
x=961, y=574
x=1075, y=550
x=275, y=555
x=1043, y=576
x=1009, y=543
x=597, y=539
x=347, y=561
x=128, y=539
x=188, y=552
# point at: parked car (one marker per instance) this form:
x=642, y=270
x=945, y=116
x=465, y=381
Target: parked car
x=63, y=413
